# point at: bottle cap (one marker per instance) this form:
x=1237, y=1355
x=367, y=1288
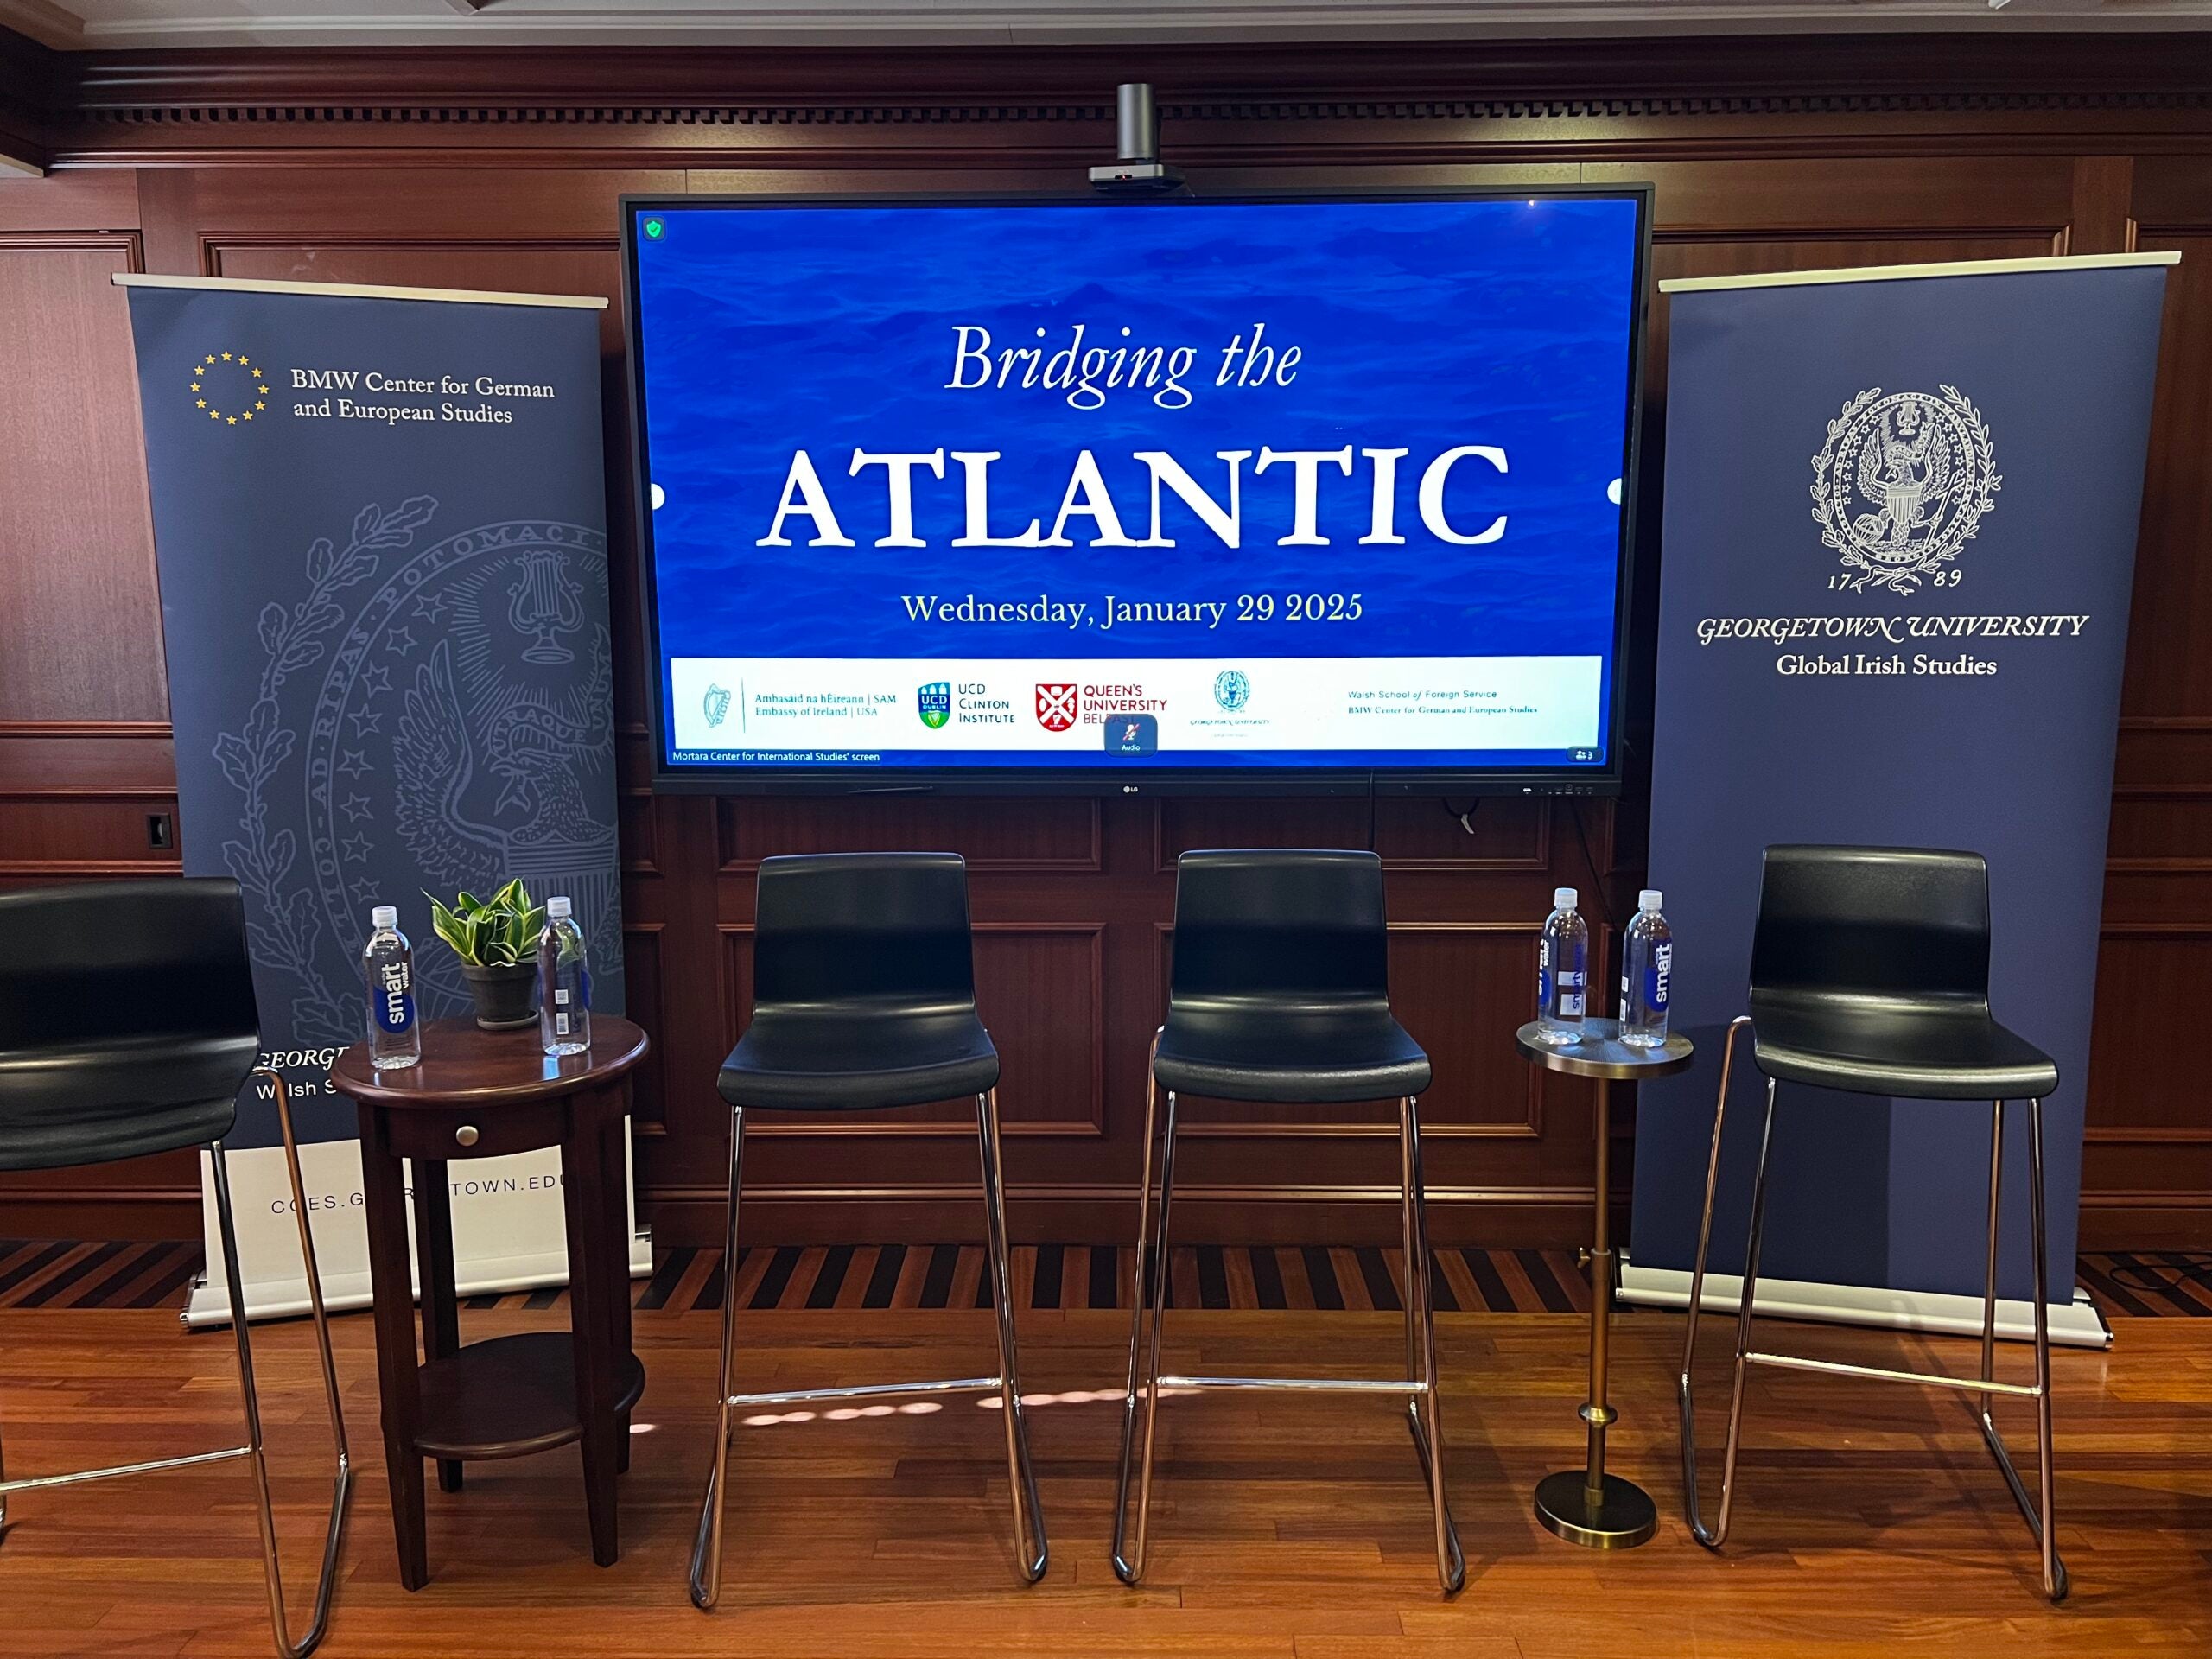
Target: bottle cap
x=1563, y=898
x=556, y=908
x=384, y=916
x=1649, y=899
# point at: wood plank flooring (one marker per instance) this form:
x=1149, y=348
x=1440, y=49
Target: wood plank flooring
x=1870, y=1521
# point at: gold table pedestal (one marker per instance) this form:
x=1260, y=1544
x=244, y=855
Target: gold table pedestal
x=1587, y=1506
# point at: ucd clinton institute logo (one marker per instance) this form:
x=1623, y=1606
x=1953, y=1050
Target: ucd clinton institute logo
x=1056, y=707
x=228, y=389
x=935, y=701
x=1902, y=484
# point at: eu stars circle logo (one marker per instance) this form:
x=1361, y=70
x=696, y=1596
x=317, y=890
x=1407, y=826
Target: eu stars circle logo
x=228, y=389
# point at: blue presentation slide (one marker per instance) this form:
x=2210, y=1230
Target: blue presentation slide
x=1176, y=485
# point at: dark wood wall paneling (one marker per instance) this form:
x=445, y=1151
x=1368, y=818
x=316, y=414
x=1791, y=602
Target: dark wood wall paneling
x=464, y=170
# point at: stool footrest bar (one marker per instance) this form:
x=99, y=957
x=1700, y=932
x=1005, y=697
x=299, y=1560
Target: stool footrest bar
x=34, y=1482
x=1879, y=1374
x=870, y=1390
x=1301, y=1384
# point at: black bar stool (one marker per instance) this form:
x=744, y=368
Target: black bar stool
x=864, y=996
x=1870, y=974
x=1281, y=993
x=128, y=1026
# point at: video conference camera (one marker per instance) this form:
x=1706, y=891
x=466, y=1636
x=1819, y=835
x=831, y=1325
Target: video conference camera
x=1136, y=169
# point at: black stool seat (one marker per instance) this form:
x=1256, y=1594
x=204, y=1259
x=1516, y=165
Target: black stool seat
x=852, y=1058
x=1281, y=991
x=94, y=1102
x=127, y=1019
x=1238, y=1051
x=1876, y=1046
x=1869, y=973
x=863, y=987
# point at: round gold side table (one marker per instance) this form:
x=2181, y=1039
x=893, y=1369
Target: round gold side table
x=1587, y=1506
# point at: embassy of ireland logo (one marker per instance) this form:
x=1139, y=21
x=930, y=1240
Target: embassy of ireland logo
x=1901, y=485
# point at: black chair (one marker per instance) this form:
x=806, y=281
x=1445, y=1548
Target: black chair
x=1870, y=974
x=864, y=996
x=1279, y=992
x=128, y=1026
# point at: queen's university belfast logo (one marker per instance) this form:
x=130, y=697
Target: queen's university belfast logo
x=227, y=388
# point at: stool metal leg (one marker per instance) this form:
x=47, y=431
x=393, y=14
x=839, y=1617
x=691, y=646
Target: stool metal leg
x=1749, y=1301
x=1717, y=1534
x=1030, y=1550
x=1149, y=1287
x=1428, y=1436
x=1145, y=1377
x=254, y=1450
x=1029, y=1521
x=707, y=1548
x=1685, y=1403
x=2039, y=1509
x=2039, y=1514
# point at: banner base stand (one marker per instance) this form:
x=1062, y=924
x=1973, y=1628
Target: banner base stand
x=347, y=1292
x=2076, y=1324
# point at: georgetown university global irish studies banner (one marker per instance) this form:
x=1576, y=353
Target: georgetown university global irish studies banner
x=381, y=524
x=1901, y=512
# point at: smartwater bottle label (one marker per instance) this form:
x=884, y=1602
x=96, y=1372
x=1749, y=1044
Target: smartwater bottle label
x=1658, y=975
x=395, y=999
x=1543, y=976
x=1570, y=994
x=583, y=987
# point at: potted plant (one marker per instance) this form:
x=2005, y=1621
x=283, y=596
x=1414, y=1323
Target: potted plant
x=496, y=940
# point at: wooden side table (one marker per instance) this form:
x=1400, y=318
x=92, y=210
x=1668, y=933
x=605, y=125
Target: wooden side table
x=481, y=1094
x=1588, y=1506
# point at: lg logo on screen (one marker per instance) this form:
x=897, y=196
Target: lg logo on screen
x=1056, y=707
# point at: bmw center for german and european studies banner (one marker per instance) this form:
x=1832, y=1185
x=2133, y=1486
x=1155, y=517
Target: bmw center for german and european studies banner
x=1901, y=511
x=380, y=520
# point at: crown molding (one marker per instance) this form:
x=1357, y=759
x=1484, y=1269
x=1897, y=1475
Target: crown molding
x=1859, y=67
x=553, y=104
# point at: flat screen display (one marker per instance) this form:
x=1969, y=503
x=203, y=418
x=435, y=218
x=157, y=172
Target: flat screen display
x=1247, y=492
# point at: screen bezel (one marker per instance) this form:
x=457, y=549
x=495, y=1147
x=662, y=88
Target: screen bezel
x=954, y=778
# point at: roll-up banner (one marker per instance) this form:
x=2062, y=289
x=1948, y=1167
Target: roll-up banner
x=1900, y=530
x=380, y=519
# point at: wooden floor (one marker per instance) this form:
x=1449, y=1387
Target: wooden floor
x=1871, y=1523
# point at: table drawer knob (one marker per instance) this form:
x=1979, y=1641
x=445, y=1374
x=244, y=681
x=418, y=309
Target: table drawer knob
x=466, y=1134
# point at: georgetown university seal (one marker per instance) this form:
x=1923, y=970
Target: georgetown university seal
x=1902, y=484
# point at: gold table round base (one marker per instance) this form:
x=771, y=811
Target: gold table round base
x=1621, y=1516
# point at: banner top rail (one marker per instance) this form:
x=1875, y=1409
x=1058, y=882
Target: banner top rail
x=360, y=291
x=1897, y=273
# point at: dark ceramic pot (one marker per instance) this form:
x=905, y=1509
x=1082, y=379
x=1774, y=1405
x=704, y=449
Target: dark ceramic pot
x=502, y=995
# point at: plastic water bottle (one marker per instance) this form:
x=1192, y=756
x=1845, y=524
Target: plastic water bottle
x=1648, y=960
x=395, y=1037
x=563, y=982
x=1562, y=971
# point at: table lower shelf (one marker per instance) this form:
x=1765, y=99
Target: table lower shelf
x=510, y=1396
